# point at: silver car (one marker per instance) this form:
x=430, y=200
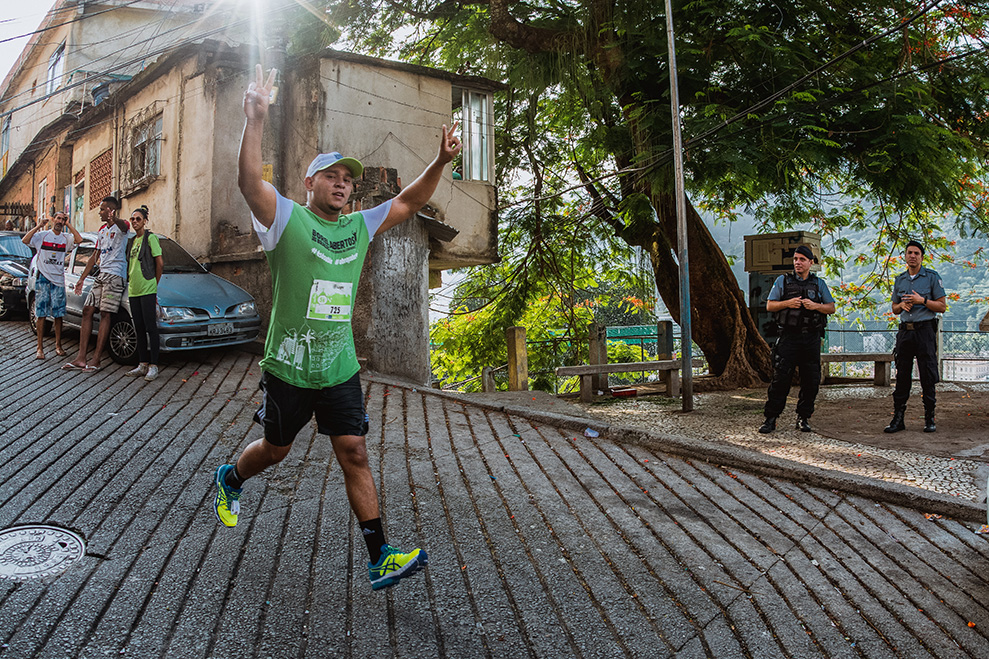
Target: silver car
x=196, y=309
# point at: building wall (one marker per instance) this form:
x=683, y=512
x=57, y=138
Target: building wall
x=400, y=114
x=88, y=146
x=29, y=84
x=160, y=97
x=103, y=43
x=196, y=200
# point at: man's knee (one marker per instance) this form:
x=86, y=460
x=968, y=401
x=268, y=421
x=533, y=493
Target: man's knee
x=274, y=454
x=351, y=452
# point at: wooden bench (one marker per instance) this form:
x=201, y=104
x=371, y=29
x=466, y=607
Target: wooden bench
x=669, y=371
x=882, y=360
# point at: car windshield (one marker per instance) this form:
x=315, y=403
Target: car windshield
x=177, y=259
x=12, y=246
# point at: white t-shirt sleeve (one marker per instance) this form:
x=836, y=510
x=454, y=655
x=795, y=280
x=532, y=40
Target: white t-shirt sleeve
x=269, y=237
x=37, y=239
x=375, y=217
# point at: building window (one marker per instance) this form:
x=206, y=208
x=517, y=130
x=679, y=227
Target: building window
x=78, y=200
x=145, y=157
x=100, y=178
x=474, y=111
x=42, y=197
x=4, y=145
x=56, y=67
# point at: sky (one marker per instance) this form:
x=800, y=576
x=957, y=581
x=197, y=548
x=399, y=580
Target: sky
x=18, y=17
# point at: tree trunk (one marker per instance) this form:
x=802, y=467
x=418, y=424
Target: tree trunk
x=721, y=324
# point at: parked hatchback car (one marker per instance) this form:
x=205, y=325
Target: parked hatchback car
x=14, y=259
x=196, y=309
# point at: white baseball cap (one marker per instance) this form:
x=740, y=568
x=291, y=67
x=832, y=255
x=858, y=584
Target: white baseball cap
x=324, y=160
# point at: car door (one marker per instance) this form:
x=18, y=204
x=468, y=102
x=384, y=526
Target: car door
x=74, y=303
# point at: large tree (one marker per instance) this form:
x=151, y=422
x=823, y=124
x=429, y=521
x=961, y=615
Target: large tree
x=782, y=104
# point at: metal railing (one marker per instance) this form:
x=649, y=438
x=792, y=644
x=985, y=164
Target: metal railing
x=963, y=356
x=963, y=353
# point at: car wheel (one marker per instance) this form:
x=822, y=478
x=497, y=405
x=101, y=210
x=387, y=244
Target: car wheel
x=5, y=311
x=123, y=340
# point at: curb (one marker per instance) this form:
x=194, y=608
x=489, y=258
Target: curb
x=720, y=454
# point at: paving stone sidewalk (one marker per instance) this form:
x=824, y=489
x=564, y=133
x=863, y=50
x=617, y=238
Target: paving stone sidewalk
x=731, y=418
x=542, y=542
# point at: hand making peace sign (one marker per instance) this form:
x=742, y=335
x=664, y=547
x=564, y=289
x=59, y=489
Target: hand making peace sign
x=258, y=94
x=450, y=144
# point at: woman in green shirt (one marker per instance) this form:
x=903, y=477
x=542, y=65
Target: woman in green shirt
x=142, y=288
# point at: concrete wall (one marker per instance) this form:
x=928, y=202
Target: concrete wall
x=471, y=209
x=394, y=289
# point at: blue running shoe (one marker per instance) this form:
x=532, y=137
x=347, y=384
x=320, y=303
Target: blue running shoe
x=227, y=502
x=394, y=566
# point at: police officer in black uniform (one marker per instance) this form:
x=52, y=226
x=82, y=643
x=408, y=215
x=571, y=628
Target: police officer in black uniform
x=918, y=296
x=801, y=302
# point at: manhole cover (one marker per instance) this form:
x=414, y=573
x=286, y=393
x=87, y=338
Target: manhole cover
x=34, y=552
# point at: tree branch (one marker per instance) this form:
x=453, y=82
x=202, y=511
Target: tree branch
x=531, y=39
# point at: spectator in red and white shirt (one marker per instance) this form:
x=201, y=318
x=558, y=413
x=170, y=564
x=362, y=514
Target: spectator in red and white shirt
x=51, y=246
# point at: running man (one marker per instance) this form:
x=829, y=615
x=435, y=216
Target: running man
x=310, y=363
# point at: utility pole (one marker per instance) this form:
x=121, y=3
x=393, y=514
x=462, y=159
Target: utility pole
x=686, y=377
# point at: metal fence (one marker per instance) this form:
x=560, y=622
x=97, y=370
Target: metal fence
x=964, y=353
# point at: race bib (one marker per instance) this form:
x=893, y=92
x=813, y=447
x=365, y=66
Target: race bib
x=330, y=300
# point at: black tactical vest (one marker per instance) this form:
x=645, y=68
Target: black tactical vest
x=798, y=321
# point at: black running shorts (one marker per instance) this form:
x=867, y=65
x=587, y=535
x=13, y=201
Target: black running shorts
x=286, y=409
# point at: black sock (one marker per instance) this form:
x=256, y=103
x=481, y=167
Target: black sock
x=233, y=479
x=374, y=536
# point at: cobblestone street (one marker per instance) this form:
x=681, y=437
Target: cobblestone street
x=543, y=542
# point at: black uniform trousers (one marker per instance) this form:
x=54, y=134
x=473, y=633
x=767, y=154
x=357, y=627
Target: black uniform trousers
x=795, y=350
x=919, y=343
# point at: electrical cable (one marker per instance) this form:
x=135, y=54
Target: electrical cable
x=121, y=50
x=171, y=46
x=74, y=20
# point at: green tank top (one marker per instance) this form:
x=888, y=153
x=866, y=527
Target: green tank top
x=315, y=267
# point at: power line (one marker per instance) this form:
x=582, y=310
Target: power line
x=74, y=20
x=76, y=47
x=117, y=52
x=112, y=69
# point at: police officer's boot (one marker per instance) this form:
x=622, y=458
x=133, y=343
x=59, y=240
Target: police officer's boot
x=896, y=425
x=929, y=422
x=769, y=425
x=803, y=424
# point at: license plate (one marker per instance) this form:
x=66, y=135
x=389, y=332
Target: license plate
x=220, y=329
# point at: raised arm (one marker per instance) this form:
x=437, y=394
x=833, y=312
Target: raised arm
x=76, y=236
x=260, y=195
x=417, y=194
x=26, y=239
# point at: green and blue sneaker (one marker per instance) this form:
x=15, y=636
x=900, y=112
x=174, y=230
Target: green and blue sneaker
x=394, y=566
x=227, y=502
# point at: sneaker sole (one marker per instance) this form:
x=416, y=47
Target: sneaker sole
x=407, y=570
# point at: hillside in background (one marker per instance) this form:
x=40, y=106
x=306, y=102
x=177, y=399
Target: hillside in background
x=970, y=283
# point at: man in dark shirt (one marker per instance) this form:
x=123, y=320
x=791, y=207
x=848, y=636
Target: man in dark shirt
x=801, y=302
